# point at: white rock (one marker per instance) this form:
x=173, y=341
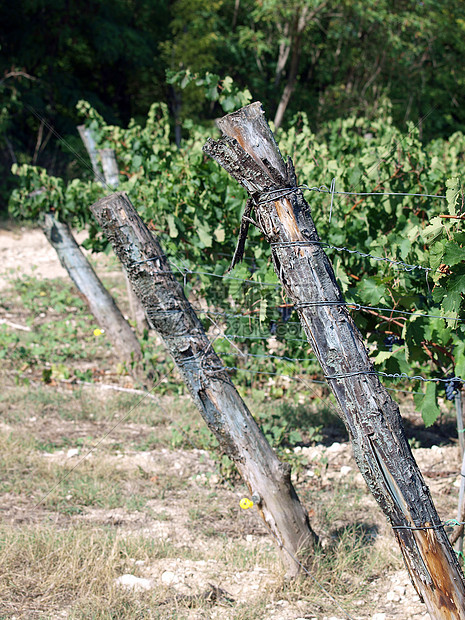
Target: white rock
x=345, y=469
x=379, y=616
x=335, y=447
x=392, y=596
x=72, y=452
x=131, y=581
x=168, y=577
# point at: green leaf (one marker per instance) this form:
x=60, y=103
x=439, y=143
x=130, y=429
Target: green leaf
x=456, y=284
x=459, y=355
x=382, y=356
x=136, y=162
x=453, y=193
x=370, y=291
x=434, y=230
x=203, y=231
x=219, y=234
x=435, y=256
x=453, y=254
x=439, y=293
x=427, y=404
x=295, y=437
x=172, y=226
x=451, y=303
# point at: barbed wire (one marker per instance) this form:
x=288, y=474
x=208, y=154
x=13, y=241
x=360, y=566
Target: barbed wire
x=407, y=266
x=230, y=337
x=235, y=336
x=274, y=195
x=350, y=304
x=399, y=375
x=280, y=357
x=354, y=305
x=357, y=306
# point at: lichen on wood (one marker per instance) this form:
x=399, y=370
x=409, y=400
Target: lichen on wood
x=171, y=315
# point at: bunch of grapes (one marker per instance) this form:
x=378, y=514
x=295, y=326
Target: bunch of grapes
x=392, y=339
x=452, y=388
x=285, y=312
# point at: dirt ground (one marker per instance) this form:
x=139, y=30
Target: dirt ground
x=390, y=594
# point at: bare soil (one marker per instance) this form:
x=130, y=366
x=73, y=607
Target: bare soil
x=201, y=514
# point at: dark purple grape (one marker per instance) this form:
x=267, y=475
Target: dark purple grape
x=389, y=341
x=286, y=312
x=392, y=339
x=452, y=388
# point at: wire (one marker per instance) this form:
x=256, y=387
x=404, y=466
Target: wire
x=285, y=191
x=60, y=138
x=406, y=266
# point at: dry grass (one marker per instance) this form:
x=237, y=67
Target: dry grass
x=45, y=570
x=146, y=502
x=63, y=565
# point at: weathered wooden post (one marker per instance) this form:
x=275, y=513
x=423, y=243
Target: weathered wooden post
x=91, y=148
x=111, y=174
x=100, y=302
x=171, y=315
x=249, y=153
x=109, y=167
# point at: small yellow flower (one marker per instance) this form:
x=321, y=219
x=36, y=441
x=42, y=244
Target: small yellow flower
x=98, y=332
x=245, y=503
x=42, y=293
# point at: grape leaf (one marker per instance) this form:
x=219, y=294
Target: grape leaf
x=453, y=254
x=427, y=404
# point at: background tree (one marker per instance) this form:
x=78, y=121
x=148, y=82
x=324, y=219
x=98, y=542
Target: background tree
x=349, y=58
x=54, y=53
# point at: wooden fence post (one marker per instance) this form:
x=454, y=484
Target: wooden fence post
x=249, y=153
x=109, y=167
x=89, y=142
x=100, y=302
x=111, y=174
x=171, y=315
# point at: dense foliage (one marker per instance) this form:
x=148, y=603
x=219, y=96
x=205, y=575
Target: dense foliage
x=195, y=208
x=329, y=58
